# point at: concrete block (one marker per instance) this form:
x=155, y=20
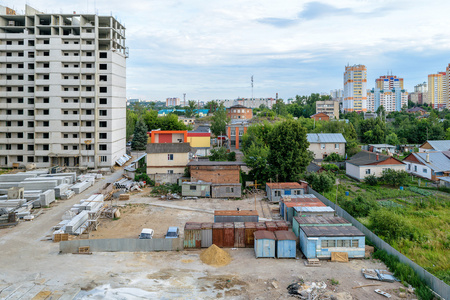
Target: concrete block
x=80, y=187
x=76, y=222
x=47, y=197
x=61, y=189
x=33, y=185
x=16, y=177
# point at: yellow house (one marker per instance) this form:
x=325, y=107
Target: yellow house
x=166, y=162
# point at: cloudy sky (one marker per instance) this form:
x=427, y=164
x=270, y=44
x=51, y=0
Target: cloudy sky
x=209, y=49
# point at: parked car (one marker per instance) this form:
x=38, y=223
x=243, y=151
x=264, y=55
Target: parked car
x=172, y=233
x=146, y=233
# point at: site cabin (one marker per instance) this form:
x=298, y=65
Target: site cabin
x=196, y=189
x=286, y=242
x=313, y=211
x=320, y=241
x=276, y=190
x=317, y=221
x=288, y=203
x=264, y=244
x=222, y=216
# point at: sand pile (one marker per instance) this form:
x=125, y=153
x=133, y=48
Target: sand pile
x=215, y=256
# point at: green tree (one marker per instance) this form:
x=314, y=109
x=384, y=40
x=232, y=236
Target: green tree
x=256, y=160
x=359, y=206
x=394, y=178
x=140, y=137
x=131, y=123
x=219, y=121
x=321, y=182
x=288, y=154
x=190, y=110
x=280, y=108
x=447, y=134
x=392, y=139
x=220, y=154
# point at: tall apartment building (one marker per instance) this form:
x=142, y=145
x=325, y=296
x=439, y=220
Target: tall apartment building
x=436, y=90
x=328, y=107
x=389, y=82
x=391, y=99
x=355, y=88
x=420, y=94
x=172, y=102
x=446, y=86
x=62, y=89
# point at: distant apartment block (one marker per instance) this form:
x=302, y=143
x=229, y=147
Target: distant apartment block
x=420, y=94
x=329, y=107
x=249, y=102
x=436, y=87
x=389, y=82
x=391, y=100
x=355, y=88
x=446, y=86
x=62, y=92
x=172, y=102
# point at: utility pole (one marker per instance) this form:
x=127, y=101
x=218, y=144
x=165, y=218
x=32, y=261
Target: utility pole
x=252, y=87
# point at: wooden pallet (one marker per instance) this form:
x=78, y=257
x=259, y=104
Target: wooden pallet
x=312, y=262
x=61, y=237
x=86, y=249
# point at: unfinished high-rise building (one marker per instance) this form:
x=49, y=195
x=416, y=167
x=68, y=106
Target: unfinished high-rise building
x=62, y=89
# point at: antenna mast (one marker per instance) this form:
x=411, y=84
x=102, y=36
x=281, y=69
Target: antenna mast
x=252, y=87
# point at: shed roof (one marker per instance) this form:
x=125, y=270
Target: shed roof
x=321, y=220
x=214, y=163
x=382, y=145
x=294, y=197
x=313, y=209
x=200, y=182
x=282, y=235
x=312, y=167
x=169, y=148
x=331, y=231
x=314, y=203
x=284, y=185
x=325, y=138
x=236, y=213
x=264, y=234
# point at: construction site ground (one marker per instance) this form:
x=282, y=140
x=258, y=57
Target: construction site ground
x=31, y=265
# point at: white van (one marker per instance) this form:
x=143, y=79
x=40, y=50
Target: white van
x=146, y=233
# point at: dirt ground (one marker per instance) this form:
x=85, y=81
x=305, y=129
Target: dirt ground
x=30, y=262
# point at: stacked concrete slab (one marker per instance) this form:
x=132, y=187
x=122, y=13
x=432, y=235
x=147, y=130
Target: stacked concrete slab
x=44, y=185
x=93, y=203
x=71, y=175
x=74, y=225
x=47, y=197
x=81, y=187
x=16, y=177
x=59, y=180
x=61, y=189
x=67, y=194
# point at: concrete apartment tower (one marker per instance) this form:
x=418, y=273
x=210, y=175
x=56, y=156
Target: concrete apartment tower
x=62, y=89
x=436, y=88
x=355, y=88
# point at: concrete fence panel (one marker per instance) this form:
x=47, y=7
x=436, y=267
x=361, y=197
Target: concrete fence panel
x=437, y=285
x=122, y=245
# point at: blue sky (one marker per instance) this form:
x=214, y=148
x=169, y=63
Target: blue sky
x=209, y=49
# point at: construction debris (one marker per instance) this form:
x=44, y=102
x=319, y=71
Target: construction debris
x=307, y=290
x=381, y=275
x=380, y=292
x=215, y=256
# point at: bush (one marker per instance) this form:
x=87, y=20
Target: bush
x=391, y=226
x=330, y=167
x=321, y=182
x=334, y=157
x=144, y=177
x=165, y=189
x=371, y=180
x=359, y=206
x=394, y=178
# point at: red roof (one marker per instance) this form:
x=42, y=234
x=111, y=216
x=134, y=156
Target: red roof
x=304, y=204
x=285, y=235
x=198, y=134
x=284, y=185
x=264, y=234
x=236, y=213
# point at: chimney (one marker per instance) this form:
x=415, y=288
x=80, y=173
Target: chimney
x=378, y=156
x=428, y=157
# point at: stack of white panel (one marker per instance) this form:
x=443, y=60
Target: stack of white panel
x=67, y=194
x=12, y=202
x=33, y=185
x=47, y=197
x=61, y=189
x=16, y=177
x=76, y=222
x=59, y=180
x=80, y=187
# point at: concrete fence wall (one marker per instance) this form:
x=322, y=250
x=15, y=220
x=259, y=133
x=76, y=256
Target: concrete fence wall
x=122, y=245
x=437, y=285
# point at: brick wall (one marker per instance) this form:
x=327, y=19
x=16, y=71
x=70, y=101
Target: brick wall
x=215, y=174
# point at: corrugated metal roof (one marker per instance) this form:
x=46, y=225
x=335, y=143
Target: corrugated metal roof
x=284, y=185
x=381, y=145
x=439, y=162
x=196, y=183
x=325, y=138
x=282, y=235
x=313, y=231
x=440, y=145
x=314, y=209
x=264, y=234
x=363, y=158
x=213, y=163
x=288, y=198
x=169, y=148
x=321, y=220
x=236, y=213
x=446, y=179
x=317, y=203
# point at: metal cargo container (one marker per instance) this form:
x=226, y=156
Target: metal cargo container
x=286, y=242
x=319, y=211
x=271, y=226
x=192, y=235
x=207, y=235
x=264, y=244
x=217, y=234
x=235, y=216
x=289, y=207
x=250, y=228
x=196, y=189
x=228, y=235
x=239, y=235
x=260, y=226
x=282, y=225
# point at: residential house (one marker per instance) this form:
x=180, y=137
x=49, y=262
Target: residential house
x=199, y=140
x=379, y=148
x=328, y=107
x=365, y=163
x=408, y=147
x=429, y=165
x=314, y=168
x=320, y=117
x=223, y=175
x=235, y=130
x=323, y=144
x=166, y=162
x=276, y=190
x=416, y=109
x=436, y=145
